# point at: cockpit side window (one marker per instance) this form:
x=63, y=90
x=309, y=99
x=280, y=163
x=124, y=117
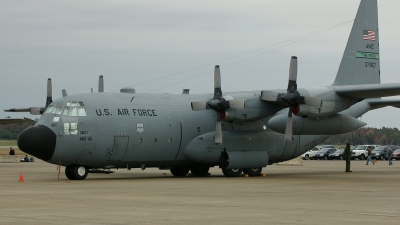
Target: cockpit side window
x=49, y=109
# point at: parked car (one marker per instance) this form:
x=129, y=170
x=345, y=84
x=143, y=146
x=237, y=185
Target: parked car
x=381, y=152
x=324, y=153
x=310, y=153
x=396, y=154
x=360, y=151
x=339, y=154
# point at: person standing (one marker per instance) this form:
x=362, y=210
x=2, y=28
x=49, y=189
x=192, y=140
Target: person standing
x=347, y=154
x=369, y=156
x=390, y=152
x=12, y=151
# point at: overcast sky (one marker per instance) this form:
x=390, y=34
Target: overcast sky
x=166, y=46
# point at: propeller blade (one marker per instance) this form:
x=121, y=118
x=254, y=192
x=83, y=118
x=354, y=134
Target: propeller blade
x=237, y=103
x=217, y=83
x=292, y=86
x=49, y=99
x=197, y=106
x=101, y=84
x=289, y=126
x=269, y=96
x=313, y=101
x=218, y=133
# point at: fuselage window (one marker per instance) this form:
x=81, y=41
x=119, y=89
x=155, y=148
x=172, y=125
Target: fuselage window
x=66, y=128
x=74, y=128
x=70, y=128
x=80, y=103
x=74, y=103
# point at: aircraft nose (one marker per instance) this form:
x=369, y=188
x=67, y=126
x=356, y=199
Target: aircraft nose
x=38, y=141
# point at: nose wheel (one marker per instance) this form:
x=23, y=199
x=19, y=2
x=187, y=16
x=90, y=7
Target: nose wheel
x=76, y=172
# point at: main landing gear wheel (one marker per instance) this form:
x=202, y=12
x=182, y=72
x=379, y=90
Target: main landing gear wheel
x=253, y=172
x=179, y=172
x=201, y=171
x=232, y=172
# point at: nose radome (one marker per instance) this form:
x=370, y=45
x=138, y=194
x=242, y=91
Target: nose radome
x=38, y=141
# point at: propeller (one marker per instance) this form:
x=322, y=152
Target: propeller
x=49, y=98
x=219, y=104
x=101, y=84
x=292, y=98
x=36, y=110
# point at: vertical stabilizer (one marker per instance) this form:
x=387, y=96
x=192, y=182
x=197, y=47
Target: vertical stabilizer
x=360, y=62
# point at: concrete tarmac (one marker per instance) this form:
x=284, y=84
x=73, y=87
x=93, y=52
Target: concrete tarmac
x=319, y=192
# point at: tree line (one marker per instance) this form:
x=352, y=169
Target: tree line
x=11, y=131
x=367, y=135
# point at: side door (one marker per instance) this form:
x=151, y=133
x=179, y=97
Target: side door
x=119, y=148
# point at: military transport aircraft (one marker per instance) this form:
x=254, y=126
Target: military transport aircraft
x=241, y=132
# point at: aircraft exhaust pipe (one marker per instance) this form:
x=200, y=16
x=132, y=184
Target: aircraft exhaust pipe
x=336, y=124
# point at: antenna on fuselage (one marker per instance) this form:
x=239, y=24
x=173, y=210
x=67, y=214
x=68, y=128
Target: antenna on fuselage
x=64, y=92
x=101, y=84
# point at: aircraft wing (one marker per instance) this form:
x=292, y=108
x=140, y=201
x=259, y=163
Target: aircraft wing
x=363, y=91
x=13, y=120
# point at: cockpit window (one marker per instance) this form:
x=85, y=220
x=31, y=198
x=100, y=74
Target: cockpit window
x=73, y=111
x=71, y=108
x=57, y=109
x=66, y=111
x=81, y=111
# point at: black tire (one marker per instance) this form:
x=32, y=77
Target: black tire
x=68, y=173
x=341, y=157
x=79, y=172
x=362, y=157
x=201, y=171
x=325, y=157
x=232, y=172
x=179, y=171
x=306, y=157
x=253, y=172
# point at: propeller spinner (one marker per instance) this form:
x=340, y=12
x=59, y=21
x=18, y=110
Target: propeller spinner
x=219, y=104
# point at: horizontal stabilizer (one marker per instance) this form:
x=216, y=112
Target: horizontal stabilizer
x=364, y=91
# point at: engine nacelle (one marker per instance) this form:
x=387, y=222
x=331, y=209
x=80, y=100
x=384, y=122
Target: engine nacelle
x=336, y=124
